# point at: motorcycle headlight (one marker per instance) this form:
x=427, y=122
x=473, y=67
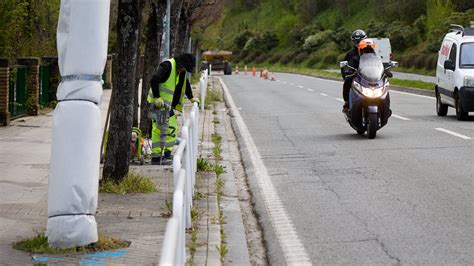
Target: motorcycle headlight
x=372, y=92
x=468, y=81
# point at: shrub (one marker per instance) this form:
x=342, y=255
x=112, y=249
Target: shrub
x=241, y=39
x=431, y=61
x=287, y=58
x=315, y=41
x=314, y=59
x=299, y=58
x=275, y=58
x=261, y=58
x=402, y=36
x=342, y=38
x=330, y=59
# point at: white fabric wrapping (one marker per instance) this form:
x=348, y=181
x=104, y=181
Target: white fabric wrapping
x=82, y=37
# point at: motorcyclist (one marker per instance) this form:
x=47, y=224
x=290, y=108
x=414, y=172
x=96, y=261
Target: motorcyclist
x=352, y=57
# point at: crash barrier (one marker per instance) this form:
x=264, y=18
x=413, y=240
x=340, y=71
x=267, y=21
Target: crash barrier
x=203, y=85
x=184, y=177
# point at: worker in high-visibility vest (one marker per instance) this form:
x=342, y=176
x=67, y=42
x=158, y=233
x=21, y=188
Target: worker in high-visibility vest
x=168, y=87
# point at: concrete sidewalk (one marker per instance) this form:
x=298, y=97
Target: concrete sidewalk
x=139, y=218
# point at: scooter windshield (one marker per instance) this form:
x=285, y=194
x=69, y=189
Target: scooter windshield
x=371, y=67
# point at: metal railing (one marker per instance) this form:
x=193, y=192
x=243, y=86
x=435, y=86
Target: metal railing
x=184, y=176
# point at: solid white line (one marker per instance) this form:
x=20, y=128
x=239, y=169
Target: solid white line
x=452, y=133
x=401, y=117
x=283, y=227
x=341, y=100
x=407, y=93
x=301, y=87
x=310, y=89
x=323, y=94
x=284, y=82
x=292, y=83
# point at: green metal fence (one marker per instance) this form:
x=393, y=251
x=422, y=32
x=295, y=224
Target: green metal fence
x=45, y=84
x=18, y=91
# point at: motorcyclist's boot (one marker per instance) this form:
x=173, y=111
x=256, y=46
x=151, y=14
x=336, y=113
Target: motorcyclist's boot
x=345, y=107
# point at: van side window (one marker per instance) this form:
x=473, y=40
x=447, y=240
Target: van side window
x=452, y=54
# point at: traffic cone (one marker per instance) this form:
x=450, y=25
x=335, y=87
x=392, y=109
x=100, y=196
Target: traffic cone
x=265, y=75
x=237, y=70
x=261, y=73
x=254, y=72
x=245, y=70
x=273, y=76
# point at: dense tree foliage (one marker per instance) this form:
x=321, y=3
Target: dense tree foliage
x=28, y=27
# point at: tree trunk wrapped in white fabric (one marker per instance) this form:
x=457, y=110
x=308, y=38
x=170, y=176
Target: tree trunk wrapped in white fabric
x=82, y=36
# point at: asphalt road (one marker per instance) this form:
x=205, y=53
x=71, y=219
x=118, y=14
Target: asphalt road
x=403, y=75
x=405, y=197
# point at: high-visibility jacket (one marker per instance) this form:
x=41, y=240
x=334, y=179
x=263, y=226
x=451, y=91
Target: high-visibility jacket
x=168, y=89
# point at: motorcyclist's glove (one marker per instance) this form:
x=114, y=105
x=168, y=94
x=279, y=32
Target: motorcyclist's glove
x=388, y=73
x=196, y=100
x=159, y=103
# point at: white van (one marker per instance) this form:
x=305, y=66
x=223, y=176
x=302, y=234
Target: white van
x=383, y=49
x=455, y=73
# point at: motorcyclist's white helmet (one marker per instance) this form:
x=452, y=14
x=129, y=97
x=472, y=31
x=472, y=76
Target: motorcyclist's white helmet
x=357, y=36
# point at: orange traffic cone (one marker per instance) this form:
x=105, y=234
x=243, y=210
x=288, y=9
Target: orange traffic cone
x=273, y=76
x=265, y=75
x=245, y=70
x=261, y=73
x=237, y=70
x=254, y=72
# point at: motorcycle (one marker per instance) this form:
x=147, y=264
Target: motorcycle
x=369, y=98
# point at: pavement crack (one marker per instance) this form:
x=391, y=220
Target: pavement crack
x=387, y=252
x=284, y=132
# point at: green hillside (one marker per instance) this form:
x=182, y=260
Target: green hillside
x=316, y=33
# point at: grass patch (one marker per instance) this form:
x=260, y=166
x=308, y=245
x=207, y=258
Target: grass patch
x=222, y=249
x=216, y=138
x=413, y=84
x=39, y=245
x=218, y=169
x=216, y=120
x=203, y=165
x=212, y=96
x=132, y=183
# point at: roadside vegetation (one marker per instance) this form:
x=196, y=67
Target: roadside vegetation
x=132, y=183
x=39, y=245
x=315, y=34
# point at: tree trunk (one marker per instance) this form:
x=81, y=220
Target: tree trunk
x=182, y=39
x=138, y=69
x=152, y=58
x=176, y=7
x=117, y=158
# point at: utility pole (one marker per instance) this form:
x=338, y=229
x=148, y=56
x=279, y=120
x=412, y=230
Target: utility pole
x=167, y=30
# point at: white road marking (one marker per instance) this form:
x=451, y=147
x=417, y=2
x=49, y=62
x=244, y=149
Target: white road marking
x=301, y=87
x=283, y=227
x=323, y=94
x=310, y=89
x=401, y=117
x=292, y=84
x=341, y=100
x=407, y=93
x=284, y=82
x=240, y=108
x=452, y=133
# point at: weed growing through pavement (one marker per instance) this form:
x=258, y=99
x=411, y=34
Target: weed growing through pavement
x=222, y=249
x=216, y=120
x=132, y=183
x=203, y=165
x=212, y=96
x=39, y=245
x=168, y=209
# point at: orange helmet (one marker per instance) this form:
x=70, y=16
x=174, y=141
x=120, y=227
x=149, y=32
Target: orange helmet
x=366, y=43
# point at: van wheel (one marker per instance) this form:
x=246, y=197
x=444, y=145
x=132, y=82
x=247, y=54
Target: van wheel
x=461, y=115
x=441, y=109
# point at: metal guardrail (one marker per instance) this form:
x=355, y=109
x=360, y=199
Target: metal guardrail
x=184, y=176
